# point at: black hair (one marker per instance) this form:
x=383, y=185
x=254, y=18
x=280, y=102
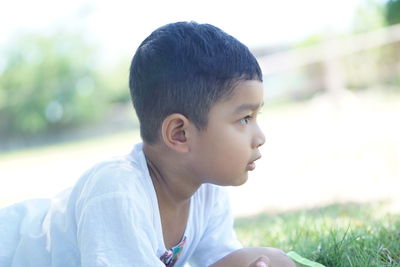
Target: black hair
x=185, y=68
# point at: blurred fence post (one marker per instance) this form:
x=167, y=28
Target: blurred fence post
x=334, y=82
x=329, y=53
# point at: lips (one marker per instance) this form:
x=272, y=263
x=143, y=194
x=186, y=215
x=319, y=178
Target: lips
x=252, y=165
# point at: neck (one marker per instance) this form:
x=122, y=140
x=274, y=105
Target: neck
x=173, y=183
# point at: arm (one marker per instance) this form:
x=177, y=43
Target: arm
x=218, y=238
x=111, y=231
x=219, y=246
x=255, y=257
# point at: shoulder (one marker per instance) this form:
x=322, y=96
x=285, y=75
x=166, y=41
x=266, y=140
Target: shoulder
x=126, y=175
x=212, y=199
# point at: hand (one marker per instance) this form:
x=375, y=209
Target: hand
x=262, y=261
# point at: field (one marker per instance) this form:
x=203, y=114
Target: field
x=335, y=235
x=327, y=186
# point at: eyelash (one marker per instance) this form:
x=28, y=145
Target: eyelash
x=246, y=119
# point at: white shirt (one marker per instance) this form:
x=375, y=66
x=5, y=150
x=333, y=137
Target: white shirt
x=111, y=218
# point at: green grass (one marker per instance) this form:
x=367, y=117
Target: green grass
x=337, y=235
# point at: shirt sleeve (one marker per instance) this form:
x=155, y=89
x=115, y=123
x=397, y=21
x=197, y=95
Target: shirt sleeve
x=219, y=238
x=113, y=231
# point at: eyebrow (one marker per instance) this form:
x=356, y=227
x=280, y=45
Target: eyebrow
x=245, y=107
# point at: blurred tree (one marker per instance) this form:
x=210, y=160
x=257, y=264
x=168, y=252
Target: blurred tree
x=392, y=52
x=376, y=67
x=310, y=40
x=392, y=12
x=369, y=16
x=114, y=80
x=48, y=83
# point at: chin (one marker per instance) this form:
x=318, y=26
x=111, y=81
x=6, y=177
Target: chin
x=237, y=181
x=240, y=181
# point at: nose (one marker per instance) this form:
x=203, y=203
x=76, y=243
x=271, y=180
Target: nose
x=259, y=137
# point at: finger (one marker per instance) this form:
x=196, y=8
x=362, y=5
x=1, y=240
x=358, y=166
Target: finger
x=262, y=261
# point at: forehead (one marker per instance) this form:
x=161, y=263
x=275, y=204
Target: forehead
x=245, y=95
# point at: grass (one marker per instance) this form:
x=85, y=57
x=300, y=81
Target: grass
x=337, y=235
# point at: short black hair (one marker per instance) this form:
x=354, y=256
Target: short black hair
x=185, y=68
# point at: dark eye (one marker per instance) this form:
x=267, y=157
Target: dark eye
x=245, y=120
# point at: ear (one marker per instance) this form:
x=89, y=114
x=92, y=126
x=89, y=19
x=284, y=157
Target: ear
x=174, y=132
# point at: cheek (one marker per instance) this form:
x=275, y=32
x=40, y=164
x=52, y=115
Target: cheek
x=229, y=147
x=234, y=139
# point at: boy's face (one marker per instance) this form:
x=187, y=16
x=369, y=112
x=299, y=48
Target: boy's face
x=227, y=149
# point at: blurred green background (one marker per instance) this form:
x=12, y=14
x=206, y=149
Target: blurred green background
x=332, y=95
x=328, y=183
x=54, y=82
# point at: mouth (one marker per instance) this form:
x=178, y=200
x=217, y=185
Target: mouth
x=252, y=165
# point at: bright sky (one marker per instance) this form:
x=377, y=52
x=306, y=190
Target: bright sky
x=119, y=25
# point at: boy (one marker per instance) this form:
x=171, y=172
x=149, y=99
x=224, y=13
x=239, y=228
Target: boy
x=196, y=91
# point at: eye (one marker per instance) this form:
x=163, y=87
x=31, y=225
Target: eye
x=245, y=120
